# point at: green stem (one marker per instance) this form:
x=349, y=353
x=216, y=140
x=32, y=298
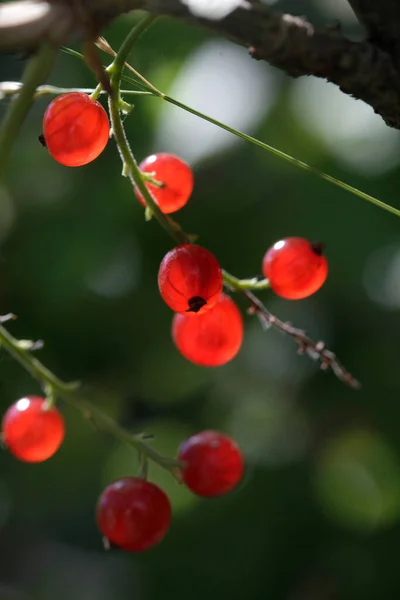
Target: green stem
x=70, y=393
x=294, y=161
x=131, y=168
x=117, y=65
x=248, y=138
x=37, y=70
x=15, y=88
x=244, y=284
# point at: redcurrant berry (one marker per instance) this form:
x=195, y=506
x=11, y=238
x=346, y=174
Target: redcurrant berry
x=133, y=514
x=295, y=268
x=32, y=432
x=176, y=178
x=214, y=463
x=213, y=338
x=75, y=129
x=190, y=279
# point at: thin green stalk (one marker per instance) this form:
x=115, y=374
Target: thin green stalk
x=70, y=394
x=291, y=159
x=248, y=138
x=244, y=284
x=43, y=90
x=131, y=169
x=121, y=57
x=38, y=69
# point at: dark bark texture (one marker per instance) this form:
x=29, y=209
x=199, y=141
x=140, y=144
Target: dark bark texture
x=368, y=69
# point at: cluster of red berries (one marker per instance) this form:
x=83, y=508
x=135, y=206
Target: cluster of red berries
x=207, y=329
x=131, y=513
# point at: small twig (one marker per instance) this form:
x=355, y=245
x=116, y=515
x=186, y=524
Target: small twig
x=315, y=350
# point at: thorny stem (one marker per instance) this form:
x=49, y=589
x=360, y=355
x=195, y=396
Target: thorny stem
x=71, y=394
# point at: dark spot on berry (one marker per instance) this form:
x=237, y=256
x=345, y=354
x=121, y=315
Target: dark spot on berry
x=42, y=140
x=318, y=248
x=196, y=303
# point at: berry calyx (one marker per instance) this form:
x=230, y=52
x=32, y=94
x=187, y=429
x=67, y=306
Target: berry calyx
x=176, y=178
x=213, y=338
x=295, y=268
x=75, y=129
x=190, y=279
x=133, y=514
x=214, y=463
x=31, y=431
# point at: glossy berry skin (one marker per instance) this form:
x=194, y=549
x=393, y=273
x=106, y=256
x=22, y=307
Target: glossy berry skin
x=295, y=267
x=30, y=432
x=190, y=279
x=176, y=177
x=213, y=338
x=214, y=463
x=133, y=514
x=75, y=129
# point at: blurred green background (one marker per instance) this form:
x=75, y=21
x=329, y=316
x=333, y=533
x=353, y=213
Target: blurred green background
x=318, y=514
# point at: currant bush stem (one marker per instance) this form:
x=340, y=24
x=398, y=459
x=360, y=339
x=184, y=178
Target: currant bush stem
x=37, y=69
x=13, y=88
x=125, y=49
x=130, y=166
x=70, y=393
x=147, y=86
x=244, y=284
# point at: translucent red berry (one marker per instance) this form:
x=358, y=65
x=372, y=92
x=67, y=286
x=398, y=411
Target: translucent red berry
x=75, y=129
x=214, y=463
x=176, y=178
x=295, y=267
x=212, y=338
x=133, y=514
x=30, y=431
x=190, y=279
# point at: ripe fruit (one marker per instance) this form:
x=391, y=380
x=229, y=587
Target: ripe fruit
x=295, y=267
x=75, y=129
x=190, y=279
x=176, y=177
x=212, y=338
x=30, y=432
x=214, y=463
x=133, y=514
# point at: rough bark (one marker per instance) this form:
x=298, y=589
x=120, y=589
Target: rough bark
x=381, y=19
x=367, y=70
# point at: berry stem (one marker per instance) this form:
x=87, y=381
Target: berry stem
x=71, y=394
x=147, y=86
x=244, y=284
x=37, y=69
x=116, y=67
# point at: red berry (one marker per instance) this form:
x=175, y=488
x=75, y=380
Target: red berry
x=133, y=514
x=30, y=432
x=212, y=338
x=214, y=463
x=190, y=279
x=75, y=129
x=295, y=267
x=176, y=177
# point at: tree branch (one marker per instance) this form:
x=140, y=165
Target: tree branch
x=360, y=69
x=381, y=19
